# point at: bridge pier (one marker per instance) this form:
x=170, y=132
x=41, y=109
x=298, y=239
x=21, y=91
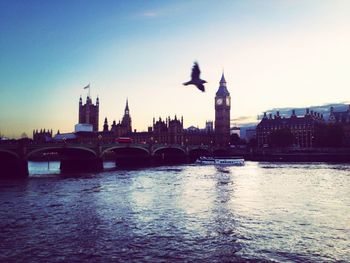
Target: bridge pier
x=14, y=169
x=132, y=161
x=81, y=165
x=169, y=159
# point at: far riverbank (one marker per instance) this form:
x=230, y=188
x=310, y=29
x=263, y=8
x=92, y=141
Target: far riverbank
x=297, y=155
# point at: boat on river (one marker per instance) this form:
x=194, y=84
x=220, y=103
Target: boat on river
x=220, y=161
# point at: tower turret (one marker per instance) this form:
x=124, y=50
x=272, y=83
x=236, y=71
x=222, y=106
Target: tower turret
x=126, y=121
x=126, y=111
x=89, y=113
x=105, y=125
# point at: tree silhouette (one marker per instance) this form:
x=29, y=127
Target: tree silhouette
x=234, y=139
x=253, y=142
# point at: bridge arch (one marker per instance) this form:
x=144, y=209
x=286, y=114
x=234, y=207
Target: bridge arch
x=12, y=166
x=13, y=154
x=169, y=155
x=63, y=150
x=124, y=148
x=161, y=149
x=221, y=152
x=129, y=155
x=195, y=153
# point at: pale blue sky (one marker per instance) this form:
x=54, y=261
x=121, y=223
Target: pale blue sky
x=274, y=53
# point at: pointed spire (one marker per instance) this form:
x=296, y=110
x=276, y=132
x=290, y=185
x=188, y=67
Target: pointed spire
x=222, y=91
x=223, y=81
x=127, y=105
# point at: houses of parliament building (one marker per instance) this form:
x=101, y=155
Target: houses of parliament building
x=162, y=131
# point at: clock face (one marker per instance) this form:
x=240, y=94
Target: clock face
x=219, y=101
x=228, y=101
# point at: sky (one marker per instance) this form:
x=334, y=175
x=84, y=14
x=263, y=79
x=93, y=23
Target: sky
x=273, y=53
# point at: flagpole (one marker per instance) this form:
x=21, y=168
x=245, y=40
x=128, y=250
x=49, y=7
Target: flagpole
x=88, y=87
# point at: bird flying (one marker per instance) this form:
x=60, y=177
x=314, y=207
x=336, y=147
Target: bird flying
x=195, y=80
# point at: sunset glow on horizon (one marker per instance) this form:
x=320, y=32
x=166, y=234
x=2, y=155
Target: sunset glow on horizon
x=273, y=54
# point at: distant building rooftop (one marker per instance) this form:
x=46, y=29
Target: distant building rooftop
x=64, y=136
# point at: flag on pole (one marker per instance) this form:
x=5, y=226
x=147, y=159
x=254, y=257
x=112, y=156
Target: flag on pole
x=87, y=87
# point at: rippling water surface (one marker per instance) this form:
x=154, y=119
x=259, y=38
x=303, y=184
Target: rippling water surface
x=262, y=211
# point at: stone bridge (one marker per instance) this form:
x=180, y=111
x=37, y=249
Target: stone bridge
x=89, y=156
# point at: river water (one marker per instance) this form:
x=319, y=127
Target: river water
x=279, y=212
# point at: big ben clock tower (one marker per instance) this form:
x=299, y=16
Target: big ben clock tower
x=222, y=114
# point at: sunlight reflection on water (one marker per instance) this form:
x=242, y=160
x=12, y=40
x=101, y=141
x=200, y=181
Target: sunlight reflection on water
x=262, y=211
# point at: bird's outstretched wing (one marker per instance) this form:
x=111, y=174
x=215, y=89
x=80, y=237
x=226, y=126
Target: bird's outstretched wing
x=195, y=71
x=201, y=87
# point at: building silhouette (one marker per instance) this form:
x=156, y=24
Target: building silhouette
x=42, y=136
x=222, y=114
x=209, y=126
x=341, y=118
x=302, y=128
x=166, y=130
x=123, y=127
x=89, y=113
x=171, y=131
x=162, y=131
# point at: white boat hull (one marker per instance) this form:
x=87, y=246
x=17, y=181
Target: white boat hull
x=220, y=161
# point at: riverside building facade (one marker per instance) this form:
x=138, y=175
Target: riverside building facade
x=301, y=127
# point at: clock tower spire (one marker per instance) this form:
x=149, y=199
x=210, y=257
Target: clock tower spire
x=222, y=114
